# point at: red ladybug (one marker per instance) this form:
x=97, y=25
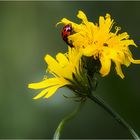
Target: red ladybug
x=66, y=31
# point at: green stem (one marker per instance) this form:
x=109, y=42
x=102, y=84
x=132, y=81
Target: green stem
x=116, y=116
x=65, y=120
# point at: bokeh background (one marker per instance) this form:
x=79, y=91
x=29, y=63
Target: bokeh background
x=27, y=34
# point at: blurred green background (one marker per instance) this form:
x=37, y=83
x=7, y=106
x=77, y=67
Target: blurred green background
x=27, y=34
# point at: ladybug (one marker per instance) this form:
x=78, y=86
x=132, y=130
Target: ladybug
x=66, y=31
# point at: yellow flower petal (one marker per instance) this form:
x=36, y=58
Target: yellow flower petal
x=105, y=65
x=87, y=51
x=66, y=21
x=126, y=62
x=75, y=26
x=53, y=66
x=62, y=59
x=119, y=70
x=128, y=42
x=123, y=36
x=52, y=90
x=82, y=16
x=41, y=94
x=45, y=83
x=49, y=59
x=47, y=92
x=134, y=61
x=101, y=21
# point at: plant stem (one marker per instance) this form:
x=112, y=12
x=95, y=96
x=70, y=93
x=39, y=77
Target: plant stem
x=65, y=120
x=115, y=115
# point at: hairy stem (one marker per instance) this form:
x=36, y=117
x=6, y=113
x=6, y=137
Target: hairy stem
x=115, y=115
x=65, y=120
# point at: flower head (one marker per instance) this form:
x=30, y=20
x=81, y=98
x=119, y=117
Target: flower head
x=99, y=42
x=67, y=70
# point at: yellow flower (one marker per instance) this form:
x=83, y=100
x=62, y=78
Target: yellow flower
x=99, y=42
x=66, y=71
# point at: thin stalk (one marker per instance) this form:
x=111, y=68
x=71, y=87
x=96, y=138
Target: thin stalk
x=65, y=120
x=115, y=115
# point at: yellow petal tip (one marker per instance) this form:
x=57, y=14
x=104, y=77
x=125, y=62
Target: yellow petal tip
x=30, y=85
x=82, y=16
x=58, y=24
x=108, y=15
x=35, y=98
x=47, y=57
